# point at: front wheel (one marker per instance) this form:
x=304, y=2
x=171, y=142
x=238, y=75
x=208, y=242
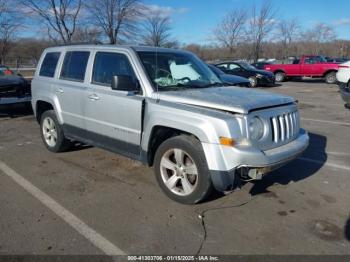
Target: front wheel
x=331, y=78
x=181, y=170
x=253, y=81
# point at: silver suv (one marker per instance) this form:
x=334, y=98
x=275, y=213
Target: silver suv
x=167, y=109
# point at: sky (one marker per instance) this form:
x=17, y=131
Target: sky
x=194, y=20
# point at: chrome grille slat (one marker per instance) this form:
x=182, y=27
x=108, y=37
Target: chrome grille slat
x=286, y=119
x=284, y=127
x=283, y=130
x=275, y=130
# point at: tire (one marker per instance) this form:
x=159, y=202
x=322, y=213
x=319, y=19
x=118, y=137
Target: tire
x=253, y=81
x=184, y=187
x=280, y=77
x=331, y=78
x=52, y=133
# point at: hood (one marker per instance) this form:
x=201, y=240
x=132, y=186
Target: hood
x=264, y=72
x=232, y=99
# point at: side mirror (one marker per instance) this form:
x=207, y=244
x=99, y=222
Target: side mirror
x=125, y=83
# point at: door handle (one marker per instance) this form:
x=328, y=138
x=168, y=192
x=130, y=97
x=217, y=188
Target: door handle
x=59, y=90
x=94, y=97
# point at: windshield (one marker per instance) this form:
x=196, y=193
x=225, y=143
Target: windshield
x=247, y=66
x=171, y=70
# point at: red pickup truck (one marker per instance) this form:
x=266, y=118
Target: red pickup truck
x=310, y=66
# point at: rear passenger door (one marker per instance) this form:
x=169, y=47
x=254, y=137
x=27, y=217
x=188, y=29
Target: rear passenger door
x=71, y=91
x=113, y=117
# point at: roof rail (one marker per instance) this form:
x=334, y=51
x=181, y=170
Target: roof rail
x=82, y=43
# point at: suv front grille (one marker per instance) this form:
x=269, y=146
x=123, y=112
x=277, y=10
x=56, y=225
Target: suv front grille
x=284, y=127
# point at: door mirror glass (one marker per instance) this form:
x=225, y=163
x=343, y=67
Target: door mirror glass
x=125, y=83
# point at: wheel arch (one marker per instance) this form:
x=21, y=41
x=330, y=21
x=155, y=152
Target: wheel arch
x=159, y=134
x=329, y=71
x=279, y=71
x=42, y=106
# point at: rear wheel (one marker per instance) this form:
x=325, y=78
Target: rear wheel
x=331, y=78
x=52, y=133
x=280, y=77
x=181, y=170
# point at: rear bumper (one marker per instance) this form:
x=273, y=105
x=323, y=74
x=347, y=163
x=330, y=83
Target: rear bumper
x=260, y=162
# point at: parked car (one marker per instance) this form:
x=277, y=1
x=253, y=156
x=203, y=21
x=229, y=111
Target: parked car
x=230, y=79
x=13, y=88
x=5, y=70
x=255, y=76
x=343, y=77
x=310, y=66
x=166, y=108
x=260, y=65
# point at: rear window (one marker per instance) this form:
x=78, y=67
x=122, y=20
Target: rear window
x=48, y=66
x=74, y=65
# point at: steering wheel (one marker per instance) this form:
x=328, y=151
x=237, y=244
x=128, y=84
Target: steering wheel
x=168, y=74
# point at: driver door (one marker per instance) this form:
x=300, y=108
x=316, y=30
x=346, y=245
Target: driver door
x=237, y=70
x=113, y=117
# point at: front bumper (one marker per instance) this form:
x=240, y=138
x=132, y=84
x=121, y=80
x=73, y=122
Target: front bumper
x=266, y=80
x=15, y=100
x=261, y=162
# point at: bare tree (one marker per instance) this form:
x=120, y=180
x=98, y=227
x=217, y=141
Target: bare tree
x=287, y=32
x=156, y=29
x=9, y=23
x=316, y=36
x=59, y=15
x=230, y=29
x=117, y=18
x=87, y=34
x=260, y=25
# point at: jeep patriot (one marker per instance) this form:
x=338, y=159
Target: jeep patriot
x=166, y=108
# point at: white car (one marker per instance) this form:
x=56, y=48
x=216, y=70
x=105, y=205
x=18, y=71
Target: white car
x=343, y=77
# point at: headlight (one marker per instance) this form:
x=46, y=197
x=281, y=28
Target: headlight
x=259, y=76
x=256, y=128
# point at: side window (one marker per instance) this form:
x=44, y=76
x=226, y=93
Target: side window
x=107, y=65
x=222, y=66
x=48, y=66
x=234, y=67
x=74, y=65
x=309, y=60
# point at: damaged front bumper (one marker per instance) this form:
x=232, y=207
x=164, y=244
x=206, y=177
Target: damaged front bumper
x=253, y=164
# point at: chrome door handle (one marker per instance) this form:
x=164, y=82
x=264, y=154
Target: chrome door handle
x=59, y=90
x=94, y=97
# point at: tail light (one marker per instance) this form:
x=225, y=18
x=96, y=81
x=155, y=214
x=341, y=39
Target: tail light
x=344, y=66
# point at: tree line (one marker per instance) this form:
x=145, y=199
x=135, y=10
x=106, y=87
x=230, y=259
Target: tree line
x=242, y=33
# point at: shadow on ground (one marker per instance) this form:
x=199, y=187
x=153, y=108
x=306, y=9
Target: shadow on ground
x=347, y=229
x=297, y=170
x=15, y=110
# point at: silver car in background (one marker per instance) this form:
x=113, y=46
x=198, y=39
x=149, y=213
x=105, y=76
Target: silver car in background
x=166, y=108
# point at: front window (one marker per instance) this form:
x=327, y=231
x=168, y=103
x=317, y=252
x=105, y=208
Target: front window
x=170, y=70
